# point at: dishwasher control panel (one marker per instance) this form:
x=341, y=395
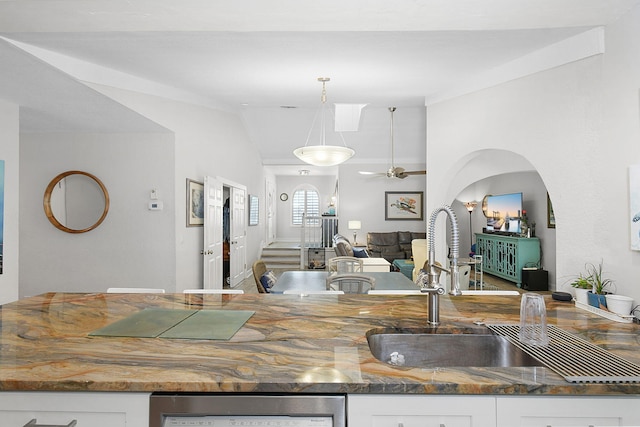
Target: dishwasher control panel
x=246, y=421
x=247, y=410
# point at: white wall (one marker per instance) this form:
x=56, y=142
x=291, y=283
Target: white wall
x=207, y=142
x=362, y=197
x=579, y=140
x=621, y=142
x=9, y=152
x=132, y=247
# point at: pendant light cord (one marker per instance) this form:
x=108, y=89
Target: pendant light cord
x=322, y=111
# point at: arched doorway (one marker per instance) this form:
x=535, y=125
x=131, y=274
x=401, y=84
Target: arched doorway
x=497, y=172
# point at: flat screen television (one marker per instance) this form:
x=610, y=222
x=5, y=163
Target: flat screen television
x=503, y=212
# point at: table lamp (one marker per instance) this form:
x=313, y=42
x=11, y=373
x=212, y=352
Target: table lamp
x=355, y=226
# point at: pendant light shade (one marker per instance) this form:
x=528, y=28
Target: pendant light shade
x=323, y=154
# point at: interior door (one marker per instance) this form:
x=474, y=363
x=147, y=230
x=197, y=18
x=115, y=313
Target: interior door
x=237, y=247
x=213, y=202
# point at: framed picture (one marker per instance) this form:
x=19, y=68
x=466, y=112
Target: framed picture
x=195, y=203
x=551, y=218
x=254, y=212
x=403, y=205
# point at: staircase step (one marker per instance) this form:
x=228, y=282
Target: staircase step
x=280, y=255
x=282, y=264
x=279, y=252
x=281, y=258
x=285, y=258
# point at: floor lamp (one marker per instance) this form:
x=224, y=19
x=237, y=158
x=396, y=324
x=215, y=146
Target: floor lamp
x=470, y=207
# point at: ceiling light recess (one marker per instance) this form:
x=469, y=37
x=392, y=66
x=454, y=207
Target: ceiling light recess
x=323, y=154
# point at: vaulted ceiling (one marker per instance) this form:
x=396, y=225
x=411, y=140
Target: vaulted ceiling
x=262, y=59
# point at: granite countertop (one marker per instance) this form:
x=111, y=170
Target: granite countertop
x=313, y=344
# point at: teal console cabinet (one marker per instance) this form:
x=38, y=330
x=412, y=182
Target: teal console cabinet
x=506, y=256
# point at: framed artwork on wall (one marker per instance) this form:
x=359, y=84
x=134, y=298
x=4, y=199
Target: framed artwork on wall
x=403, y=205
x=195, y=203
x=551, y=218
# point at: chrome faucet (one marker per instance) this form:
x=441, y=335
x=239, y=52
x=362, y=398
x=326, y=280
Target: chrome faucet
x=433, y=283
x=434, y=303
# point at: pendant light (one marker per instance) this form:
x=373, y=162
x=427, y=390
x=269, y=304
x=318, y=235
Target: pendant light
x=323, y=154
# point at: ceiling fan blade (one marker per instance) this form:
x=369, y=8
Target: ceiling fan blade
x=394, y=172
x=371, y=173
x=404, y=174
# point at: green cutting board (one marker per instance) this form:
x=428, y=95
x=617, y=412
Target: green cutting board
x=148, y=323
x=210, y=325
x=184, y=324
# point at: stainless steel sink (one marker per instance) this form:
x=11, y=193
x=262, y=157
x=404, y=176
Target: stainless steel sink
x=432, y=348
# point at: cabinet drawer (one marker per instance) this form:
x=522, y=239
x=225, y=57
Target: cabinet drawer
x=537, y=411
x=539, y=421
x=421, y=421
x=420, y=411
x=89, y=409
x=63, y=418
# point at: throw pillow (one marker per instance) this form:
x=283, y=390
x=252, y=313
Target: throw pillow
x=360, y=253
x=267, y=280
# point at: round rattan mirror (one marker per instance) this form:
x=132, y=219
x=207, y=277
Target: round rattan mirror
x=76, y=202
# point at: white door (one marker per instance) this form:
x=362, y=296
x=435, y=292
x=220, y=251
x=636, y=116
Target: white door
x=237, y=247
x=212, y=252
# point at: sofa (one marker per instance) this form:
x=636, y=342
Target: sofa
x=392, y=245
x=343, y=247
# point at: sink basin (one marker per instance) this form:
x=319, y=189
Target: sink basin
x=432, y=348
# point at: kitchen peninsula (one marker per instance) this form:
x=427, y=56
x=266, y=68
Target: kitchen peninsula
x=291, y=344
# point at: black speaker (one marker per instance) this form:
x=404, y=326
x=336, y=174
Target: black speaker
x=535, y=280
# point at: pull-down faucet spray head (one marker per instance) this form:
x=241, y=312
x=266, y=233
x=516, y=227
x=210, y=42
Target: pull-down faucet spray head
x=434, y=269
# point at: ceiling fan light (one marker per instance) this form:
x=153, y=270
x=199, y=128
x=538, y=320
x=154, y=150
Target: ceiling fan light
x=323, y=155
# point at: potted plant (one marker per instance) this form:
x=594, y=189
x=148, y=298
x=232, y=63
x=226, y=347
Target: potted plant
x=582, y=286
x=599, y=285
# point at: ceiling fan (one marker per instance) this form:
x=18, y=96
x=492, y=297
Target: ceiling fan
x=394, y=171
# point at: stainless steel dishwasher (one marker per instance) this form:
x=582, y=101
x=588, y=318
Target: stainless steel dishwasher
x=246, y=410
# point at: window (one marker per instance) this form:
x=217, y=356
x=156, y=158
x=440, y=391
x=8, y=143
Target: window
x=305, y=201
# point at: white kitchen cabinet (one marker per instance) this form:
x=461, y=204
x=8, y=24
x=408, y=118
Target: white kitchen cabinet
x=500, y=411
x=388, y=410
x=538, y=411
x=88, y=409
